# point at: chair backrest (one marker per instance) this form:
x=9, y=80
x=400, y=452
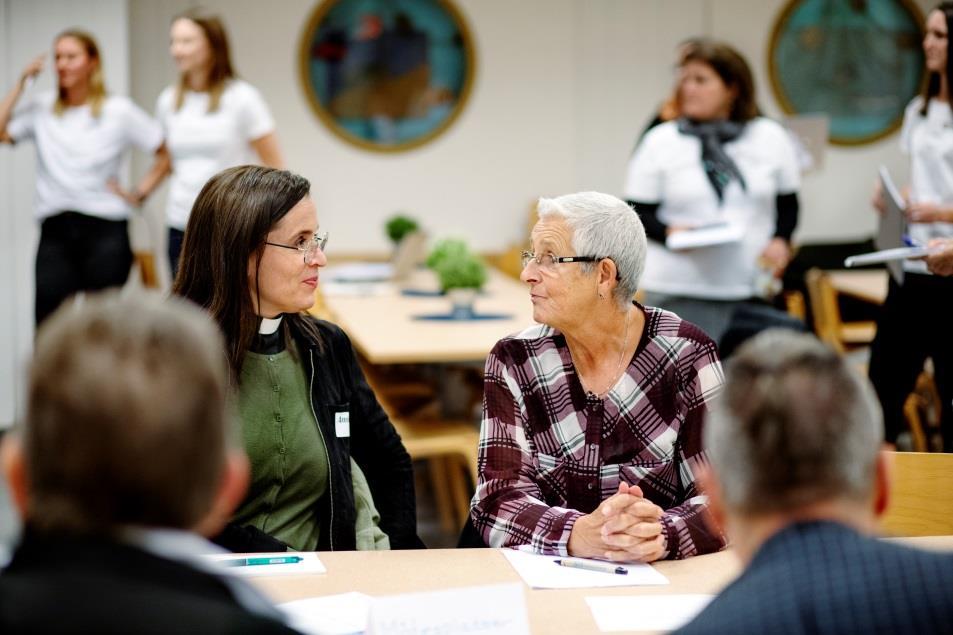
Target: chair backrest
x=921, y=501
x=146, y=262
x=824, y=309
x=828, y=324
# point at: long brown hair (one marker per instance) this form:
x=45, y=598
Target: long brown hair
x=733, y=71
x=932, y=87
x=96, y=92
x=221, y=70
x=228, y=225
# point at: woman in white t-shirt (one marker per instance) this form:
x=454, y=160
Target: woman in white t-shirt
x=914, y=323
x=81, y=134
x=212, y=120
x=720, y=167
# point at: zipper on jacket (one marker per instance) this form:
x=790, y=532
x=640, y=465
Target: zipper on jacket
x=317, y=423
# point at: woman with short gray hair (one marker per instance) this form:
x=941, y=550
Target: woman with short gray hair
x=592, y=418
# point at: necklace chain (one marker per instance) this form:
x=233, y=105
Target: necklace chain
x=618, y=368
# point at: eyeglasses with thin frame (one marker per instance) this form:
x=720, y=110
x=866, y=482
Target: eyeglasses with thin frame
x=548, y=262
x=308, y=247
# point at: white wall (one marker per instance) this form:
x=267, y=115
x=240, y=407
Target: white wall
x=563, y=89
x=28, y=28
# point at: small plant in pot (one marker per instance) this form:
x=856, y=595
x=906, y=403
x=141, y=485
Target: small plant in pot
x=461, y=273
x=399, y=226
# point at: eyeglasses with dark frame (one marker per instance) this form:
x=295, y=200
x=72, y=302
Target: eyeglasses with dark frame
x=548, y=262
x=308, y=247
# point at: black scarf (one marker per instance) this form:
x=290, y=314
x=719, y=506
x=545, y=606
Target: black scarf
x=719, y=168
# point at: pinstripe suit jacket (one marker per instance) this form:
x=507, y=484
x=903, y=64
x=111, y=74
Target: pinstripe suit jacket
x=822, y=577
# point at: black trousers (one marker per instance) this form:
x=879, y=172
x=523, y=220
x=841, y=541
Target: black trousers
x=78, y=252
x=175, y=247
x=914, y=324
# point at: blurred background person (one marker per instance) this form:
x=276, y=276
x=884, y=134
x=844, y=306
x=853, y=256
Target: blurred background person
x=125, y=456
x=211, y=119
x=913, y=323
x=719, y=163
x=81, y=134
x=798, y=481
x=324, y=455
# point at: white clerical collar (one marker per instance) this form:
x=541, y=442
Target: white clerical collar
x=269, y=325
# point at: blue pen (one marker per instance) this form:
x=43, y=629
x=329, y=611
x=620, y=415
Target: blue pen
x=247, y=562
x=910, y=242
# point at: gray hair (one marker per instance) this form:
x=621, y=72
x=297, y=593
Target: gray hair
x=603, y=226
x=795, y=425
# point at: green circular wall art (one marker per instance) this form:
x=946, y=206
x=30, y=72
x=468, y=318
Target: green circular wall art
x=858, y=61
x=386, y=75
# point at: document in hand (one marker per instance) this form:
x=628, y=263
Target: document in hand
x=887, y=255
x=705, y=236
x=542, y=572
x=893, y=223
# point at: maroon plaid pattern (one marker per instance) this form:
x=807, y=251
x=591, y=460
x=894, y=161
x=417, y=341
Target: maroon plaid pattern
x=550, y=452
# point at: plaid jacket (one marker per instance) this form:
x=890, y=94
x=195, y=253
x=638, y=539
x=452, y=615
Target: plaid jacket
x=550, y=452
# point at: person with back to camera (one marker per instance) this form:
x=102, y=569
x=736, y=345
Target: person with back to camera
x=126, y=456
x=212, y=120
x=592, y=418
x=81, y=134
x=719, y=163
x=913, y=323
x=798, y=480
x=325, y=457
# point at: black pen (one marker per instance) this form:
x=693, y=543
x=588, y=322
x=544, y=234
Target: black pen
x=589, y=565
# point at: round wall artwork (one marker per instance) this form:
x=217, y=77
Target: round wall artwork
x=387, y=75
x=858, y=61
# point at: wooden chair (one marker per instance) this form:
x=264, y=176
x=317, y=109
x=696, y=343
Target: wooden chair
x=922, y=412
x=921, y=502
x=146, y=263
x=830, y=328
x=449, y=446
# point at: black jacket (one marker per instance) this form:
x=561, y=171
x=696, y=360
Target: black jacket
x=337, y=385
x=66, y=584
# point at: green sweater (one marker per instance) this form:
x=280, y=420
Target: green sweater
x=289, y=460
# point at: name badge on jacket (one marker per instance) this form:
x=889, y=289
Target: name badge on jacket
x=342, y=424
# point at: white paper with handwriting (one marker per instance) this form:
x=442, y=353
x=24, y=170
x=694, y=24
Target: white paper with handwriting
x=542, y=572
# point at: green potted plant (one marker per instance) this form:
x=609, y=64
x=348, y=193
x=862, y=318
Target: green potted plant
x=398, y=226
x=461, y=273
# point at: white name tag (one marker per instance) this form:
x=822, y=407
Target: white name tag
x=342, y=424
x=499, y=609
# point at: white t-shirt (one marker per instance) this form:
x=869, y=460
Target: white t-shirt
x=929, y=142
x=203, y=144
x=667, y=169
x=77, y=154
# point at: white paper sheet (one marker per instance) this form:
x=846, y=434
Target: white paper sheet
x=360, y=272
x=705, y=236
x=498, y=609
x=541, y=572
x=342, y=614
x=645, y=612
x=309, y=564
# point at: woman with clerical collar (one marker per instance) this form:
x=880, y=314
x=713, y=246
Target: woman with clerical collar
x=329, y=471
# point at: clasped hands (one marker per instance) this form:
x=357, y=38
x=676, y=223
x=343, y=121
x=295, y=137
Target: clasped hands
x=625, y=528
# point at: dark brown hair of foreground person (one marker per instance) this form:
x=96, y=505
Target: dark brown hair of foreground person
x=126, y=418
x=228, y=226
x=733, y=70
